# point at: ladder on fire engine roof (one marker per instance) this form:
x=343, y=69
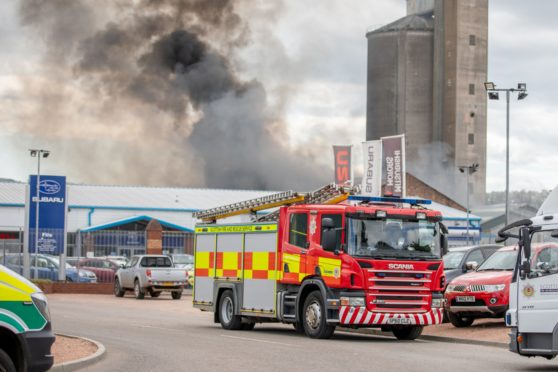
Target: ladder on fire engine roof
x=329, y=194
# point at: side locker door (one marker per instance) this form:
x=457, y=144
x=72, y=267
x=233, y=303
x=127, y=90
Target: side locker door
x=204, y=267
x=259, y=272
x=295, y=248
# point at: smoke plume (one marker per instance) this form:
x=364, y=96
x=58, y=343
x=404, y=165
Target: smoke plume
x=147, y=92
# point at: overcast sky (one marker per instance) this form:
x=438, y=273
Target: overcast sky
x=316, y=49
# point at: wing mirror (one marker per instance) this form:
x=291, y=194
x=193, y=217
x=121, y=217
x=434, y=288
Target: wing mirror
x=525, y=240
x=471, y=265
x=554, y=233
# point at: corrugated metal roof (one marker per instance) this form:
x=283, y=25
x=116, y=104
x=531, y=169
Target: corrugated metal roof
x=137, y=197
x=162, y=198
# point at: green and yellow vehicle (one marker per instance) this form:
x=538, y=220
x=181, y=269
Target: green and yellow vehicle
x=25, y=330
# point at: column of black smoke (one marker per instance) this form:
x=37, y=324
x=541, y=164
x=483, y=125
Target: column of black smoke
x=160, y=53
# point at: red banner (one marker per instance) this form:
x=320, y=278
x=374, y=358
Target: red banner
x=343, y=164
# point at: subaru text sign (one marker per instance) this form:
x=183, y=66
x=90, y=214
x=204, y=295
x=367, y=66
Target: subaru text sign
x=52, y=214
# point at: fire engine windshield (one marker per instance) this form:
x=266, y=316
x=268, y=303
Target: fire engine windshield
x=393, y=238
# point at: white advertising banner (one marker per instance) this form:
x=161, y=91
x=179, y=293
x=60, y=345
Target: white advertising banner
x=372, y=177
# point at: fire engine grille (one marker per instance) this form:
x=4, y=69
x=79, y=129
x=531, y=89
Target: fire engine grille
x=398, y=291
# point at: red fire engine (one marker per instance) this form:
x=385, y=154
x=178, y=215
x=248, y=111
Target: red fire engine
x=318, y=263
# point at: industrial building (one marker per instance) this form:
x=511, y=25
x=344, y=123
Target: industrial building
x=426, y=74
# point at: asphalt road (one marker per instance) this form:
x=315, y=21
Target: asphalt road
x=166, y=335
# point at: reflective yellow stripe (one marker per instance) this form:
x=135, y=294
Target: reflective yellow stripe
x=236, y=229
x=13, y=287
x=330, y=267
x=230, y=260
x=202, y=260
x=293, y=260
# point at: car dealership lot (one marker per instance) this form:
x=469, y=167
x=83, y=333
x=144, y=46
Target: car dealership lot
x=162, y=334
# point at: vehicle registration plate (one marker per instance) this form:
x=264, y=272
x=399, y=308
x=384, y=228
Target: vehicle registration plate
x=465, y=298
x=399, y=321
x=168, y=283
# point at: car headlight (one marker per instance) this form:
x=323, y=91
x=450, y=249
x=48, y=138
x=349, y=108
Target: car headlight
x=437, y=302
x=41, y=303
x=450, y=288
x=494, y=287
x=352, y=301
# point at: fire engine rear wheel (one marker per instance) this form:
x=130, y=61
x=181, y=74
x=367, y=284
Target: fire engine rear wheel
x=460, y=321
x=314, y=317
x=407, y=333
x=118, y=291
x=227, y=317
x=6, y=364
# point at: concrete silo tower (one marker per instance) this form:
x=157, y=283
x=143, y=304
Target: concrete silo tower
x=425, y=79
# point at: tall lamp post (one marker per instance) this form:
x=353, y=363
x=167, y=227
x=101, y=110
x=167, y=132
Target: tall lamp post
x=38, y=153
x=493, y=95
x=468, y=169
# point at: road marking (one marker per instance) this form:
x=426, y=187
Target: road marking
x=258, y=340
x=155, y=327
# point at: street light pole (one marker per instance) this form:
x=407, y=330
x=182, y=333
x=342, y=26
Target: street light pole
x=507, y=208
x=38, y=153
x=493, y=95
x=470, y=169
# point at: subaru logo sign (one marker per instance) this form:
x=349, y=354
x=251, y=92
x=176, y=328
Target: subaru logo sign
x=49, y=187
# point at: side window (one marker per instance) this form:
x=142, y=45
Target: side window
x=298, y=229
x=338, y=221
x=476, y=256
x=544, y=256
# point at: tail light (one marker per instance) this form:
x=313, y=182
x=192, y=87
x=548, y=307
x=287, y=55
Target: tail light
x=148, y=272
x=443, y=282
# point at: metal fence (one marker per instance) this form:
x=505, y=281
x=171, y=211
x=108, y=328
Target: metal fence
x=90, y=256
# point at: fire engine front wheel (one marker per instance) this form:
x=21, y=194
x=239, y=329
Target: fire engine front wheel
x=227, y=317
x=407, y=333
x=314, y=317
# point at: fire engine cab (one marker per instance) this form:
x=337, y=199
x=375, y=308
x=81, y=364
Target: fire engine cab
x=321, y=260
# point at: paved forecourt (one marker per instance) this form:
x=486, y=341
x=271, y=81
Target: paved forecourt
x=168, y=335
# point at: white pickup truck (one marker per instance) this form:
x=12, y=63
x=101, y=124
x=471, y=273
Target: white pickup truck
x=150, y=273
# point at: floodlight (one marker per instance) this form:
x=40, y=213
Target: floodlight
x=521, y=95
x=489, y=85
x=521, y=86
x=33, y=153
x=493, y=96
x=46, y=153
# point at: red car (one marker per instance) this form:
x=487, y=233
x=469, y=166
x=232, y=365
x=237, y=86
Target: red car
x=484, y=293
x=102, y=267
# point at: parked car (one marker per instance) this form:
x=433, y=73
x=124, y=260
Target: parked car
x=103, y=268
x=484, y=293
x=183, y=261
x=150, y=273
x=461, y=260
x=121, y=261
x=48, y=266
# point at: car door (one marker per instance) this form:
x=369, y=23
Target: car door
x=126, y=275
x=537, y=297
x=295, y=247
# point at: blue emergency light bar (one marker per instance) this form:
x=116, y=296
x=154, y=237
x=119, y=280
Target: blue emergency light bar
x=379, y=199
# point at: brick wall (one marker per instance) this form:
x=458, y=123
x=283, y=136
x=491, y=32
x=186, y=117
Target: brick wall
x=83, y=288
